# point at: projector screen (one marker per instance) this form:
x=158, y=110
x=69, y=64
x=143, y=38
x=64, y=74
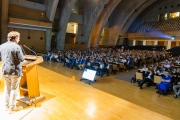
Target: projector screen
x=89, y=74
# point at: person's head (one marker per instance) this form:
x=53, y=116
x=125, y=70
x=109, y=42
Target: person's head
x=166, y=74
x=163, y=69
x=152, y=66
x=155, y=68
x=144, y=65
x=175, y=70
x=13, y=36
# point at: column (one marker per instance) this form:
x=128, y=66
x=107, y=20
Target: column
x=48, y=39
x=4, y=5
x=169, y=44
x=156, y=42
x=177, y=43
x=168, y=15
x=121, y=41
x=134, y=42
x=144, y=42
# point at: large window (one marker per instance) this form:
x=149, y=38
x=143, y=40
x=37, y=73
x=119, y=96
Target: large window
x=165, y=16
x=174, y=15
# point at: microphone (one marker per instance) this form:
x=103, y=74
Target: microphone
x=31, y=51
x=23, y=50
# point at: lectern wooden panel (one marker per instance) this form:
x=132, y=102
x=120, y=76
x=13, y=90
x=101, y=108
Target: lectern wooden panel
x=29, y=84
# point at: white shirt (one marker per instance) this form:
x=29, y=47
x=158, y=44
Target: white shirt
x=156, y=71
x=167, y=66
x=123, y=60
x=56, y=56
x=149, y=76
x=101, y=66
x=144, y=69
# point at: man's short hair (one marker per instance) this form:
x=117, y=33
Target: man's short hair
x=13, y=35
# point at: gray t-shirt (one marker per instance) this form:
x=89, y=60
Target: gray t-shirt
x=11, y=56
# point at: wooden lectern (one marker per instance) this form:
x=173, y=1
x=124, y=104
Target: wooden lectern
x=29, y=84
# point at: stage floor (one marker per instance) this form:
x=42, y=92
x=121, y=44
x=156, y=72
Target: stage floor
x=69, y=99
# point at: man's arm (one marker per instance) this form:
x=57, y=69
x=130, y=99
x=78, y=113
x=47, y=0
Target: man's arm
x=19, y=54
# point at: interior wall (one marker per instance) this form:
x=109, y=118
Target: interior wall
x=160, y=43
x=149, y=43
x=28, y=4
x=39, y=45
x=69, y=39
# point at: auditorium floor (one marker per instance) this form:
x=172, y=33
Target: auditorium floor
x=107, y=99
x=147, y=97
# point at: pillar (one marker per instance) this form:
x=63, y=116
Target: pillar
x=134, y=42
x=169, y=44
x=144, y=42
x=156, y=42
x=121, y=41
x=4, y=5
x=168, y=15
x=48, y=39
x=177, y=43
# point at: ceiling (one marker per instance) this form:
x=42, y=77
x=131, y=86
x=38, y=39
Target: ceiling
x=37, y=1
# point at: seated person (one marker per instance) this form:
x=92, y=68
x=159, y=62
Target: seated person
x=123, y=60
x=174, y=75
x=67, y=61
x=73, y=61
x=83, y=65
x=144, y=70
x=166, y=65
x=129, y=62
x=47, y=56
x=163, y=70
x=139, y=60
x=78, y=61
x=100, y=69
x=157, y=64
x=178, y=60
x=176, y=88
x=165, y=83
x=93, y=63
x=106, y=68
x=56, y=59
x=152, y=66
x=149, y=75
x=156, y=71
x=136, y=63
x=51, y=57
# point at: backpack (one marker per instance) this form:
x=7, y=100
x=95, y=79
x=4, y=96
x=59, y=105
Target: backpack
x=133, y=80
x=161, y=92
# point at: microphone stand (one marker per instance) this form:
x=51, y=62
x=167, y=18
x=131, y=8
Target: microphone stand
x=31, y=51
x=23, y=50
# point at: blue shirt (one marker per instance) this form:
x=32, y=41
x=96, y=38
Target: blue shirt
x=167, y=78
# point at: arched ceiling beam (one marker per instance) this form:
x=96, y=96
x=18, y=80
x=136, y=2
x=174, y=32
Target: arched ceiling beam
x=134, y=15
x=97, y=30
x=65, y=12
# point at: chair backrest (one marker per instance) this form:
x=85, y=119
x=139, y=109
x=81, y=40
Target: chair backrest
x=157, y=79
x=88, y=63
x=115, y=67
x=121, y=65
x=139, y=76
x=96, y=67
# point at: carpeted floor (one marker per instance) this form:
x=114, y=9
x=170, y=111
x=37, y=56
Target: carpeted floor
x=127, y=76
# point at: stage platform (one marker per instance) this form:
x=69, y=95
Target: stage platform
x=68, y=99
